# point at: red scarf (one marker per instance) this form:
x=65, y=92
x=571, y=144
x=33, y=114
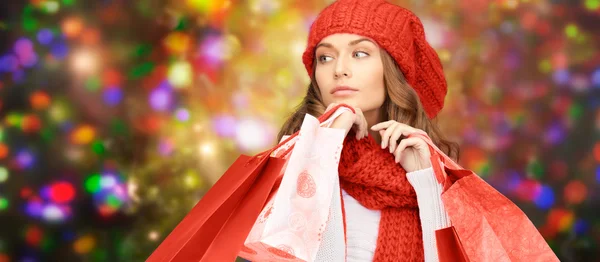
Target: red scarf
x=370, y=175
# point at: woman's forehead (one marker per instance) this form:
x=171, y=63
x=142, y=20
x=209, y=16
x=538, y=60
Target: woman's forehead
x=344, y=38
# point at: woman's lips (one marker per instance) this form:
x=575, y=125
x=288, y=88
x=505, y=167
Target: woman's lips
x=346, y=92
x=343, y=91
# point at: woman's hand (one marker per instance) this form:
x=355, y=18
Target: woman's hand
x=349, y=120
x=412, y=153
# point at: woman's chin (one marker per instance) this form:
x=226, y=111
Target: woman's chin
x=345, y=100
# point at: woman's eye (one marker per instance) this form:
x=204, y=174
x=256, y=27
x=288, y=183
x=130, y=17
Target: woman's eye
x=360, y=54
x=324, y=58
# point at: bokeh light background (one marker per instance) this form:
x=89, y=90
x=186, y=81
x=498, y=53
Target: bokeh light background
x=117, y=116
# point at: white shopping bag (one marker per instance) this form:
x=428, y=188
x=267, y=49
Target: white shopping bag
x=303, y=220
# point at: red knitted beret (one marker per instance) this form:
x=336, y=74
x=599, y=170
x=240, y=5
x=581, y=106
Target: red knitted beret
x=395, y=29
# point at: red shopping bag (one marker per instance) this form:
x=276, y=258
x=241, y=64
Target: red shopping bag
x=488, y=226
x=449, y=247
x=215, y=229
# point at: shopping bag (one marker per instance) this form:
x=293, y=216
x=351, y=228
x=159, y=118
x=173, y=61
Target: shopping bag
x=488, y=225
x=449, y=247
x=194, y=234
x=294, y=221
x=215, y=229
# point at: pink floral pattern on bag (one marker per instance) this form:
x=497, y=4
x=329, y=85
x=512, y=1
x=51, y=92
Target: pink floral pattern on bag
x=291, y=225
x=282, y=251
x=306, y=186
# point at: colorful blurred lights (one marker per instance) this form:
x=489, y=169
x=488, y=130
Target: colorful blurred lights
x=191, y=179
x=108, y=192
x=204, y=6
x=3, y=150
x=575, y=192
x=93, y=183
x=177, y=42
x=250, y=134
x=571, y=30
x=3, y=203
x=224, y=125
x=592, y=4
x=23, y=47
x=25, y=159
x=25, y=53
x=33, y=235
x=206, y=149
x=153, y=235
x=59, y=50
x=166, y=146
x=106, y=210
x=9, y=63
x=108, y=181
x=39, y=100
x=161, y=98
x=216, y=49
x=83, y=135
x=72, y=27
x=45, y=36
x=114, y=201
x=85, y=62
x=561, y=76
x=53, y=213
x=180, y=74
x=84, y=244
x=3, y=174
x=580, y=227
x=545, y=199
x=596, y=151
x=34, y=208
x=113, y=96
x=596, y=78
x=62, y=192
x=182, y=114
x=528, y=190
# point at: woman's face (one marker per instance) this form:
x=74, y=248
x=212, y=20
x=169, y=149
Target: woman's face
x=349, y=70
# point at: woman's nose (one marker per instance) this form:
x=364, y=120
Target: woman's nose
x=341, y=69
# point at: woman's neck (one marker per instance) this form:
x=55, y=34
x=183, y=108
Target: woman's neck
x=373, y=117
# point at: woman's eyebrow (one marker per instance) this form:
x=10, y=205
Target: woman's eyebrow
x=354, y=42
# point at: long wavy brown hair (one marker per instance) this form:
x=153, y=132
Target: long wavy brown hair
x=401, y=104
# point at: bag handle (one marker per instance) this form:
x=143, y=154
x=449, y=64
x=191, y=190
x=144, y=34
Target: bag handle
x=322, y=119
x=439, y=159
x=446, y=159
x=327, y=123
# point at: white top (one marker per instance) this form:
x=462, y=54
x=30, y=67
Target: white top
x=362, y=224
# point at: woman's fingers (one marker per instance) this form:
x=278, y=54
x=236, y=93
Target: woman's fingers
x=407, y=142
x=396, y=134
x=401, y=130
x=383, y=125
x=385, y=139
x=391, y=131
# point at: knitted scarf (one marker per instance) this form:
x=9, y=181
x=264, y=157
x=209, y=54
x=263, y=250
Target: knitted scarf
x=370, y=175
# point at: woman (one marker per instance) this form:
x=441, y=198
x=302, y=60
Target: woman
x=373, y=55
